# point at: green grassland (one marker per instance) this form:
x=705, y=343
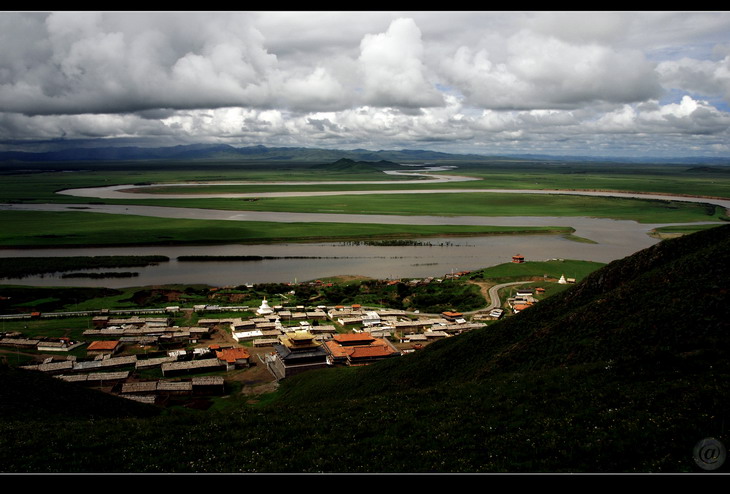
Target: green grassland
x=536, y=270
x=708, y=181
x=40, y=182
x=25, y=299
x=682, y=229
x=44, y=229
x=469, y=204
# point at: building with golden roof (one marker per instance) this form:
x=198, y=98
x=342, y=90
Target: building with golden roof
x=296, y=352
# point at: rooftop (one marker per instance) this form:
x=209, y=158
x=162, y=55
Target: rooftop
x=103, y=345
x=353, y=337
x=232, y=354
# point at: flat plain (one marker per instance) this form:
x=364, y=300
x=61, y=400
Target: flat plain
x=41, y=183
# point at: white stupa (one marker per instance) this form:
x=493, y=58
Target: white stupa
x=264, y=308
x=562, y=280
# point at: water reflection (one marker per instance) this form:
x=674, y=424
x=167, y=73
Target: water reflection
x=439, y=256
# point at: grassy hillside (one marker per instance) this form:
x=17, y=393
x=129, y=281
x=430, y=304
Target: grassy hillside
x=663, y=304
x=54, y=400
x=625, y=371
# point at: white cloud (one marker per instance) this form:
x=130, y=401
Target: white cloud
x=392, y=68
x=318, y=90
x=379, y=79
x=700, y=76
x=545, y=72
x=688, y=117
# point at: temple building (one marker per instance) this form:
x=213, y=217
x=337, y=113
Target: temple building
x=358, y=349
x=296, y=352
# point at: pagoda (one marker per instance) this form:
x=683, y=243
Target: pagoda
x=264, y=309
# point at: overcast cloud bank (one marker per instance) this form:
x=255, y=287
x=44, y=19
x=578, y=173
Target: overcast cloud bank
x=600, y=83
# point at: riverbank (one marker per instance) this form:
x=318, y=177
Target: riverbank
x=58, y=225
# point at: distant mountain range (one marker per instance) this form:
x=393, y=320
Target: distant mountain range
x=298, y=154
x=226, y=152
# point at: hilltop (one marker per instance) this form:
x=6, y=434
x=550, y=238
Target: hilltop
x=626, y=371
x=118, y=150
x=70, y=152
x=351, y=166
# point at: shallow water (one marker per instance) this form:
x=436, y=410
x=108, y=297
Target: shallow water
x=613, y=239
x=443, y=256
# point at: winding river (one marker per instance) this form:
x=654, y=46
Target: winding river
x=613, y=239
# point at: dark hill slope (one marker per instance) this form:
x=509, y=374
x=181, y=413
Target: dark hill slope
x=625, y=372
x=663, y=306
x=30, y=395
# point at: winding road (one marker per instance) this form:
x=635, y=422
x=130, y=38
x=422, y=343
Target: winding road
x=492, y=294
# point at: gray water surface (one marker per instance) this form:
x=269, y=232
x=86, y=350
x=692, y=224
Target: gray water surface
x=440, y=256
x=613, y=239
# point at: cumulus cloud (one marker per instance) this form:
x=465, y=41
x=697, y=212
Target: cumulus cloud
x=97, y=63
x=697, y=76
x=461, y=81
x=392, y=68
x=546, y=72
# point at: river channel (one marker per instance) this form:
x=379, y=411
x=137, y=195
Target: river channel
x=292, y=262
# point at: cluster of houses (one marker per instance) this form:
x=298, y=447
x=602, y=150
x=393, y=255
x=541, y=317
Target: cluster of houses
x=18, y=340
x=145, y=330
x=106, y=366
x=524, y=298
x=299, y=350
x=307, y=338
x=105, y=369
x=300, y=339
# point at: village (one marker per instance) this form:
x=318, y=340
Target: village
x=142, y=355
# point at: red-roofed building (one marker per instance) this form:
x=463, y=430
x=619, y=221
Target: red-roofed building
x=363, y=355
x=349, y=339
x=103, y=347
x=234, y=357
x=358, y=349
x=452, y=316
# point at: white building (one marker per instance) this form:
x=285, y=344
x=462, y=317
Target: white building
x=264, y=309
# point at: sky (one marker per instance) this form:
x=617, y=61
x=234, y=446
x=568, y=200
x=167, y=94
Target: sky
x=614, y=83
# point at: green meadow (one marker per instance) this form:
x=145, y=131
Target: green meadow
x=41, y=182
x=49, y=229
x=503, y=273
x=468, y=204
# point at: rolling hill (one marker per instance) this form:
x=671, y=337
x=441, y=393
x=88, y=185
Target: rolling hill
x=220, y=152
x=88, y=150
x=351, y=166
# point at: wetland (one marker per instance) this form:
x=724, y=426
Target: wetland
x=312, y=224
